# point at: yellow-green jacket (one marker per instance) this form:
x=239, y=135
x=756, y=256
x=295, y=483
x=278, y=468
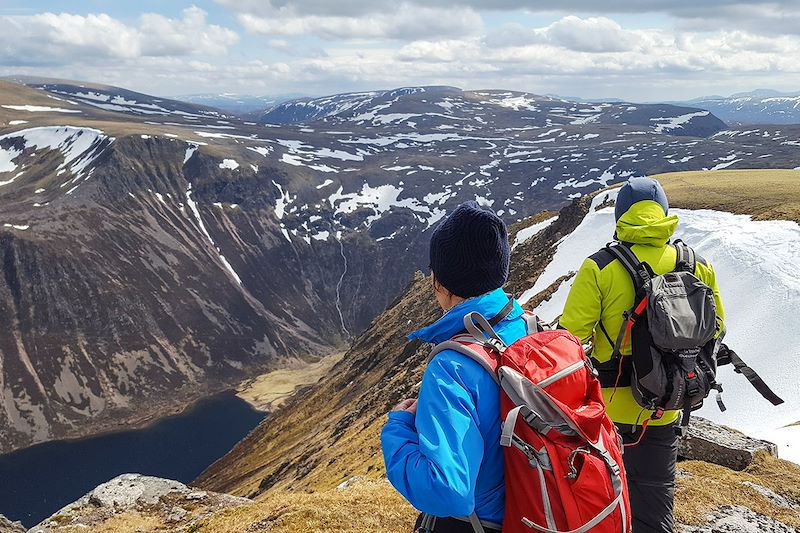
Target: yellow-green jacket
x=603, y=291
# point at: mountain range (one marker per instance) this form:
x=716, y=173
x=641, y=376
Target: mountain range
x=156, y=251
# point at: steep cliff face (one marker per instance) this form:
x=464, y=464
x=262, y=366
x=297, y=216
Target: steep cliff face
x=137, y=294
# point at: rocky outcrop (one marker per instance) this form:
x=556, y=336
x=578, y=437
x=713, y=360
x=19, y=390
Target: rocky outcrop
x=712, y=443
x=169, y=503
x=7, y=526
x=736, y=519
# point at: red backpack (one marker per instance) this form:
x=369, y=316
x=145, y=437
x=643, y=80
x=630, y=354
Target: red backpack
x=563, y=458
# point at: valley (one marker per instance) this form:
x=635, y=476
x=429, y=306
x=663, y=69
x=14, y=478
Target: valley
x=204, y=249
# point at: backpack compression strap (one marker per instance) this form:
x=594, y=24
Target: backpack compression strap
x=726, y=355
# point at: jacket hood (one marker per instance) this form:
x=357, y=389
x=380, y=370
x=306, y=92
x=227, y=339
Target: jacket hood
x=645, y=223
x=452, y=322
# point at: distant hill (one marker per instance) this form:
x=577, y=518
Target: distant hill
x=117, y=99
x=442, y=108
x=757, y=107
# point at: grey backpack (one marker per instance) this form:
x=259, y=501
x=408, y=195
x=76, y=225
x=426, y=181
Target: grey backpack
x=671, y=330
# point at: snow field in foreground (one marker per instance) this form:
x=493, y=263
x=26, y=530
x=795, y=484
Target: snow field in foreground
x=756, y=266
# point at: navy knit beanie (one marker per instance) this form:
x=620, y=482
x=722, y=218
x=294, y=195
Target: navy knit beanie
x=638, y=190
x=469, y=251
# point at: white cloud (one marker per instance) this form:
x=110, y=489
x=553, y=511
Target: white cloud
x=594, y=34
x=769, y=17
x=50, y=38
x=384, y=44
x=399, y=21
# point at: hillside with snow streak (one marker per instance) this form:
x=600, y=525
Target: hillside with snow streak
x=756, y=267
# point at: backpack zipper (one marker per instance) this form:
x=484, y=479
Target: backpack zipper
x=562, y=374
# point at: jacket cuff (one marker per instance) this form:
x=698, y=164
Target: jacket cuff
x=403, y=417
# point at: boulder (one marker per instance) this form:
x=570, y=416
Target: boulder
x=131, y=490
x=172, y=503
x=706, y=441
x=7, y=526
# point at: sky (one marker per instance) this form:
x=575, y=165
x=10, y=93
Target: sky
x=638, y=50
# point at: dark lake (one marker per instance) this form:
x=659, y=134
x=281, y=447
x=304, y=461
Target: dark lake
x=38, y=481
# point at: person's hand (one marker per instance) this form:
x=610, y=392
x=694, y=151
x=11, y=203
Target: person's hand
x=408, y=405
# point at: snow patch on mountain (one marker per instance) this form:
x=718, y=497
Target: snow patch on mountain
x=196, y=212
x=230, y=164
x=78, y=146
x=40, y=109
x=671, y=123
x=7, y=156
x=531, y=231
x=381, y=199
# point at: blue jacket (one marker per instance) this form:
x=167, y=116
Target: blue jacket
x=447, y=460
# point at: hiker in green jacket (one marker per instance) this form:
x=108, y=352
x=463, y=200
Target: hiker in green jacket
x=601, y=293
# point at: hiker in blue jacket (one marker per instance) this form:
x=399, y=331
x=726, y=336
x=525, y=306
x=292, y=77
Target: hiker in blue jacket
x=442, y=451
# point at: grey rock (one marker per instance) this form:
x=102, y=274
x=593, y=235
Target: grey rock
x=131, y=490
x=772, y=496
x=167, y=499
x=712, y=443
x=349, y=483
x=729, y=519
x=176, y=514
x=7, y=526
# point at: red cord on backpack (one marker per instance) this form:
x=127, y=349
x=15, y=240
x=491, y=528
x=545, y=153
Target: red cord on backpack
x=641, y=435
x=625, y=339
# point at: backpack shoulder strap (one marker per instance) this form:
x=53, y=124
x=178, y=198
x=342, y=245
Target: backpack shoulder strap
x=636, y=269
x=532, y=321
x=470, y=347
x=687, y=259
x=482, y=344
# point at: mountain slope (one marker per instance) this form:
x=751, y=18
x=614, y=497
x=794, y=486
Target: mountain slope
x=117, y=99
x=708, y=497
x=452, y=108
x=331, y=431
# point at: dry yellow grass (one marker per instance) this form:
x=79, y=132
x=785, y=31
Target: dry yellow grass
x=270, y=391
x=366, y=506
x=708, y=487
x=764, y=194
x=373, y=505
x=131, y=522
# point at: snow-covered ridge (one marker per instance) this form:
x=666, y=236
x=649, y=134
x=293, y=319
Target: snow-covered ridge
x=79, y=147
x=756, y=267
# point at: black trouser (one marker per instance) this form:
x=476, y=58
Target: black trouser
x=450, y=525
x=650, y=467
